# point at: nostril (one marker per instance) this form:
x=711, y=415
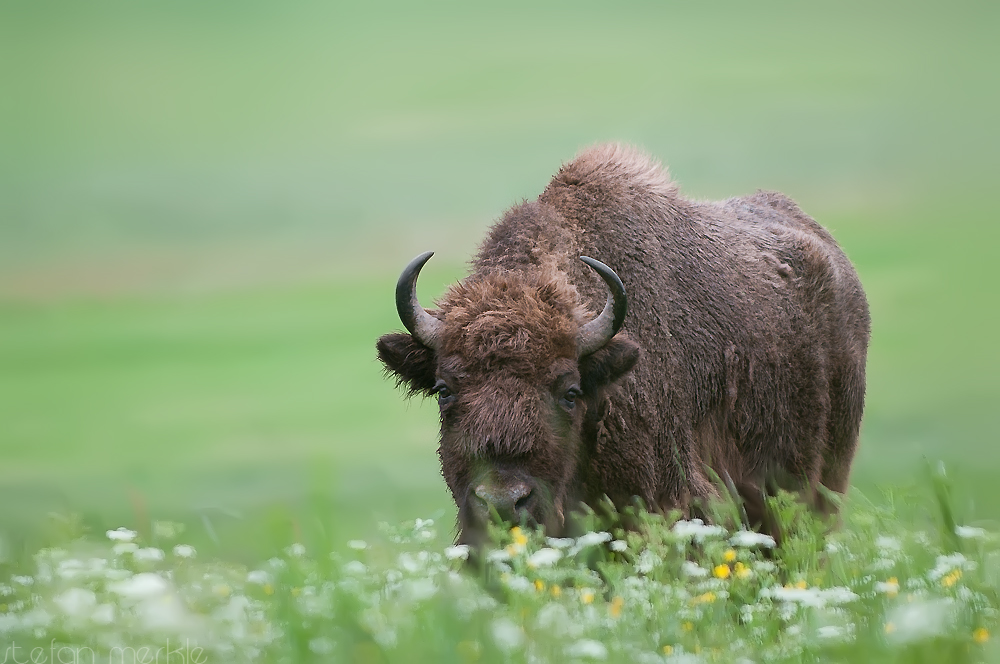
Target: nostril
x=508, y=499
x=522, y=503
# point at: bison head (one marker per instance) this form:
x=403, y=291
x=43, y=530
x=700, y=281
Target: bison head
x=519, y=370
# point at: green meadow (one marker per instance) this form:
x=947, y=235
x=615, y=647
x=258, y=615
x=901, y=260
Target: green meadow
x=204, y=208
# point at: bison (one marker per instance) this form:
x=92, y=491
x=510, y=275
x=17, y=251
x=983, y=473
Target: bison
x=741, y=357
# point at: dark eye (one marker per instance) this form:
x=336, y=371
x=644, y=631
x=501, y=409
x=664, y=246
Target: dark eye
x=569, y=398
x=444, y=395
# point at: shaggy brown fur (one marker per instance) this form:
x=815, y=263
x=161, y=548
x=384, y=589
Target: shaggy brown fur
x=743, y=350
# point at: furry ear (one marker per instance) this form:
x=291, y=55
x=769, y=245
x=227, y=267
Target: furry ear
x=410, y=362
x=607, y=365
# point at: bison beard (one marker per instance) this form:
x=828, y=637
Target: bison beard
x=743, y=351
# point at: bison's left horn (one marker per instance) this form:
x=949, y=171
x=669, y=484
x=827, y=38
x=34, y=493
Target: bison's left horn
x=425, y=328
x=597, y=333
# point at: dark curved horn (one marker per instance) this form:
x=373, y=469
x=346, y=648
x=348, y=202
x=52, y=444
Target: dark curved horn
x=597, y=333
x=425, y=328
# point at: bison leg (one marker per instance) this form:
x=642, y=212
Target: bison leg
x=847, y=394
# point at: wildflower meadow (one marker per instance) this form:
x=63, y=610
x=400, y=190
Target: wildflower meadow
x=204, y=207
x=877, y=587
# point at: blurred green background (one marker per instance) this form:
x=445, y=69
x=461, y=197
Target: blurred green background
x=204, y=208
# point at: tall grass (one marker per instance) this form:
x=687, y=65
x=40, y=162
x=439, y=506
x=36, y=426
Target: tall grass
x=879, y=587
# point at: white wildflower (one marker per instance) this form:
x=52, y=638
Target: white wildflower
x=886, y=543
x=619, y=545
x=149, y=554
x=457, y=552
x=22, y=580
x=832, y=632
x=647, y=562
x=322, y=645
x=947, y=564
x=555, y=619
x=498, y=556
x=749, y=538
x=815, y=597
x=166, y=613
x=518, y=583
x=103, y=614
x=357, y=545
x=881, y=564
x=355, y=568
x=141, y=586
x=70, y=568
x=969, y=532
x=890, y=587
x=419, y=524
x=506, y=634
x=76, y=602
x=764, y=566
x=184, y=551
x=36, y=619
x=296, y=550
x=124, y=547
x=591, y=539
x=587, y=649
x=234, y=610
x=919, y=620
x=839, y=595
x=693, y=569
x=560, y=542
x=409, y=562
x=696, y=528
x=258, y=576
x=121, y=535
x=417, y=590
x=544, y=557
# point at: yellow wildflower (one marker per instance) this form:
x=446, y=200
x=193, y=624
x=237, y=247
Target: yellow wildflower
x=721, y=571
x=615, y=608
x=520, y=539
x=268, y=589
x=729, y=556
x=687, y=626
x=981, y=635
x=296, y=592
x=587, y=596
x=539, y=585
x=950, y=580
x=741, y=571
x=668, y=650
x=222, y=590
x=706, y=598
x=801, y=584
x=890, y=628
x=556, y=591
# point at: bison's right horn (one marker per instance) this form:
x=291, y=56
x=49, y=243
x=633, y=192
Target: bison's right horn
x=425, y=328
x=597, y=333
